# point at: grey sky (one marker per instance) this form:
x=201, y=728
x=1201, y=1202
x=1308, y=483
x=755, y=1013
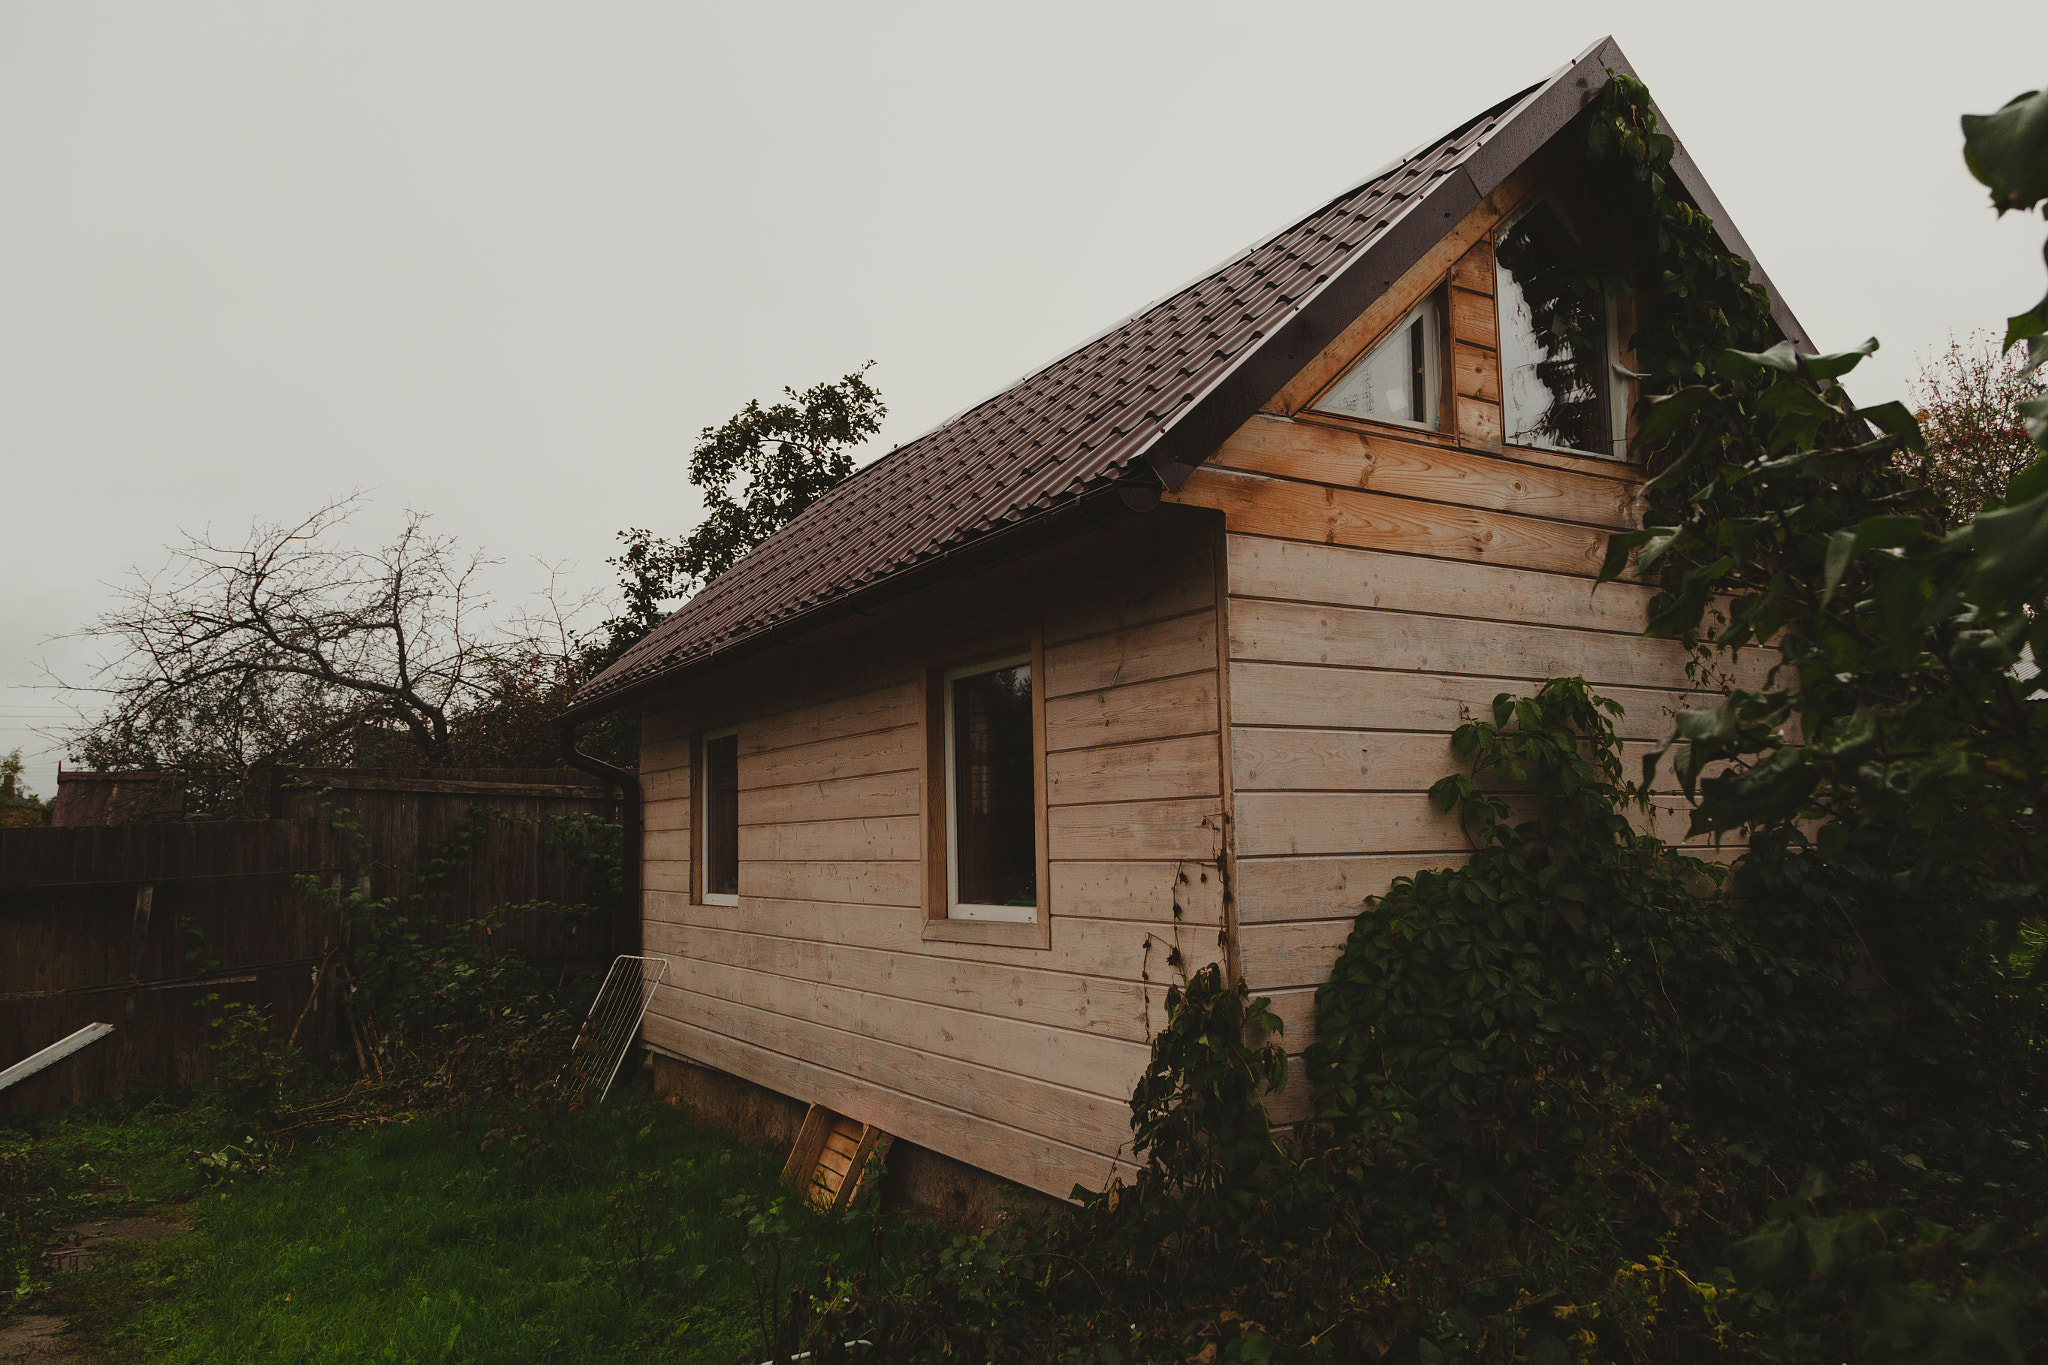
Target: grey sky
x=501, y=262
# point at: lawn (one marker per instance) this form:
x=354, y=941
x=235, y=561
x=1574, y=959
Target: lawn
x=616, y=1233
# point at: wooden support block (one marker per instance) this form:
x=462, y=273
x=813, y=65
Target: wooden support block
x=829, y=1161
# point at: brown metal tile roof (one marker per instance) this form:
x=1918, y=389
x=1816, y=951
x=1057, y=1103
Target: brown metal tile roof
x=1162, y=388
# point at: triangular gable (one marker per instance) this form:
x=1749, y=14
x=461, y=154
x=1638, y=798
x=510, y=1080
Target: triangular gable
x=1140, y=405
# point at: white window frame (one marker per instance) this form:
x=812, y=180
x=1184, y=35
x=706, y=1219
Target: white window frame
x=709, y=896
x=955, y=907
x=1617, y=389
x=1440, y=359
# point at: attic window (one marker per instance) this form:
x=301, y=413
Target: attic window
x=1398, y=380
x=1555, y=344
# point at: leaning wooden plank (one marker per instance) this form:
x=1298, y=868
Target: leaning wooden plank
x=867, y=1158
x=55, y=1052
x=810, y=1139
x=875, y=751
x=845, y=798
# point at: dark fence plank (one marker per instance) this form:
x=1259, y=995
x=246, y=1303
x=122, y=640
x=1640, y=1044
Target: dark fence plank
x=227, y=914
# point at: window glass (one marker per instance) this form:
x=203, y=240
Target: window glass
x=1399, y=379
x=722, y=814
x=1553, y=339
x=992, y=826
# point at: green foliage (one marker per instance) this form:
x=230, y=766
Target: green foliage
x=406, y=1242
x=1481, y=1016
x=1904, y=1289
x=757, y=472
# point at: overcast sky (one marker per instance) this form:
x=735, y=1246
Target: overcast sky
x=501, y=262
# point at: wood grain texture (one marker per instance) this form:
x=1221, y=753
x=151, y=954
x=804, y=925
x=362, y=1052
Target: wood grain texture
x=1309, y=695
x=1140, y=891
x=1345, y=516
x=1137, y=830
x=881, y=709
x=886, y=839
x=1301, y=759
x=1032, y=1159
x=1098, y=1066
x=1475, y=373
x=1148, y=770
x=1290, y=632
x=1186, y=705
x=1096, y=1005
x=1160, y=649
x=874, y=751
x=844, y=798
x=1472, y=318
x=1405, y=466
x=1479, y=423
x=859, y=882
x=1275, y=889
x=1323, y=823
x=1112, y=950
x=1339, y=575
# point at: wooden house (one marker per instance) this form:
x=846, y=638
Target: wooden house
x=1145, y=662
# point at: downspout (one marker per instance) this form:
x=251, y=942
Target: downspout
x=626, y=934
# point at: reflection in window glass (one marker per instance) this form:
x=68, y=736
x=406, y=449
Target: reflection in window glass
x=722, y=815
x=990, y=788
x=1553, y=342
x=1398, y=380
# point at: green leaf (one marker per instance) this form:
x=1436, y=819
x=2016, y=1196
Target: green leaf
x=1893, y=419
x=1822, y=368
x=2029, y=483
x=2008, y=151
x=1783, y=357
x=1841, y=549
x=2034, y=412
x=1653, y=540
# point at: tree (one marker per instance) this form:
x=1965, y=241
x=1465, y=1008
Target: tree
x=757, y=472
x=1968, y=400
x=18, y=805
x=292, y=647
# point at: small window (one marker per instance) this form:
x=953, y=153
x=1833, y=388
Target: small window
x=722, y=817
x=991, y=793
x=1554, y=339
x=1399, y=380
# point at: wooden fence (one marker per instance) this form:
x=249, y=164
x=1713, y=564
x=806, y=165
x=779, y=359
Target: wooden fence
x=132, y=925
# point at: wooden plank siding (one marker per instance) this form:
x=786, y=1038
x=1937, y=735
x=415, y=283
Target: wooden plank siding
x=822, y=982
x=1382, y=588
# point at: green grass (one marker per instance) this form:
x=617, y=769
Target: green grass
x=412, y=1245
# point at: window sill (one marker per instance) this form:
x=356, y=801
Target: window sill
x=714, y=898
x=994, y=933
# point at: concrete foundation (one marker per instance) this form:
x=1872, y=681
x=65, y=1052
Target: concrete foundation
x=920, y=1181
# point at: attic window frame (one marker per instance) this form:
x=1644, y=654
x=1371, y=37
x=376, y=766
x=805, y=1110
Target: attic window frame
x=1617, y=391
x=1436, y=298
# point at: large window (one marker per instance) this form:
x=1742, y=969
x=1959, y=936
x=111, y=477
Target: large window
x=1555, y=346
x=721, y=817
x=991, y=793
x=1399, y=380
